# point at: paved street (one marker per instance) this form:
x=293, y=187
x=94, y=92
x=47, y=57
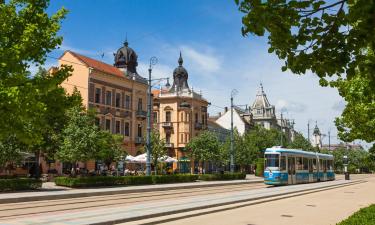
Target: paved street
x=320, y=208
x=136, y=207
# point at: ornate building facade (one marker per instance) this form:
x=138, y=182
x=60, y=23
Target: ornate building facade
x=179, y=114
x=117, y=93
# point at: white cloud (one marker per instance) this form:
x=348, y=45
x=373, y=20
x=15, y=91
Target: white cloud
x=290, y=106
x=201, y=60
x=158, y=70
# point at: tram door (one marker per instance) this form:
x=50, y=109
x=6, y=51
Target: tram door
x=291, y=170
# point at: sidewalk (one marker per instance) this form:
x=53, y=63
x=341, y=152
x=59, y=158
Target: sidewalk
x=144, y=210
x=50, y=191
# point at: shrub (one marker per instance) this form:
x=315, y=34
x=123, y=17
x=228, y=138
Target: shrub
x=18, y=184
x=175, y=178
x=260, y=167
x=225, y=176
x=363, y=216
x=97, y=181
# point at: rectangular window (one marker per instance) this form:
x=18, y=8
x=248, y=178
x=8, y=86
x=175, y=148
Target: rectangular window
x=168, y=138
x=299, y=163
x=272, y=160
x=118, y=99
x=139, y=130
x=117, y=127
x=97, y=121
x=196, y=117
x=182, y=138
x=98, y=93
x=155, y=117
x=108, y=98
x=168, y=116
x=305, y=163
x=310, y=165
x=127, y=102
x=314, y=164
x=108, y=124
x=139, y=104
x=127, y=129
x=282, y=163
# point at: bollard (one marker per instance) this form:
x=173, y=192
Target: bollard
x=347, y=177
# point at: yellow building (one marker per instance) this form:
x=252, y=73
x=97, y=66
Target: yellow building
x=179, y=114
x=117, y=93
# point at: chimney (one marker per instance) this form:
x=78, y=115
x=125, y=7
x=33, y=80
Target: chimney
x=225, y=109
x=219, y=114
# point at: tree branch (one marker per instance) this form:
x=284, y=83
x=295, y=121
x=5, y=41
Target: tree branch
x=311, y=12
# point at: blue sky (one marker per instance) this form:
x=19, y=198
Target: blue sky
x=217, y=57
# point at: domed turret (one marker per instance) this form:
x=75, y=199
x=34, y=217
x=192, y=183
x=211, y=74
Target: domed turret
x=180, y=77
x=126, y=58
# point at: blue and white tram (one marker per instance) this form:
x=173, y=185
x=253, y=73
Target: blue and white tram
x=290, y=166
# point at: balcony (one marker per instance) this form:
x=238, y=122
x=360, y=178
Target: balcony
x=139, y=140
x=169, y=145
x=141, y=114
x=198, y=126
x=167, y=125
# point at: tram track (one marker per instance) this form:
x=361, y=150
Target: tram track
x=17, y=210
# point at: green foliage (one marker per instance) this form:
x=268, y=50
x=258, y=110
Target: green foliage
x=28, y=33
x=158, y=148
x=175, y=178
x=10, y=151
x=260, y=167
x=97, y=181
x=110, y=148
x=224, y=176
x=300, y=142
x=82, y=139
x=359, y=160
x=204, y=147
x=19, y=184
x=333, y=39
x=363, y=216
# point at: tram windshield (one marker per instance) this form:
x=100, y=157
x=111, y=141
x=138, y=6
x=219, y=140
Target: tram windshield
x=272, y=160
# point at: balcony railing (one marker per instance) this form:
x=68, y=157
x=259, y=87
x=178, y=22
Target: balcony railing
x=167, y=124
x=141, y=114
x=169, y=145
x=198, y=126
x=139, y=140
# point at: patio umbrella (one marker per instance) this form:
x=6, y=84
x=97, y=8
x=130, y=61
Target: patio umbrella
x=129, y=158
x=140, y=158
x=170, y=160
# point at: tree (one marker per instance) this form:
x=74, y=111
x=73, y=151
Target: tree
x=82, y=139
x=158, y=148
x=204, y=147
x=334, y=40
x=110, y=148
x=10, y=151
x=300, y=142
x=28, y=33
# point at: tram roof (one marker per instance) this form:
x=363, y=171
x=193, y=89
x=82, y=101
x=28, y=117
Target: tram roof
x=298, y=151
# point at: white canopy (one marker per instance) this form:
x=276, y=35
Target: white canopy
x=143, y=158
x=140, y=158
x=129, y=158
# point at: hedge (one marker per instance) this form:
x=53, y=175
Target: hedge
x=225, y=176
x=363, y=216
x=97, y=181
x=260, y=167
x=176, y=178
x=18, y=184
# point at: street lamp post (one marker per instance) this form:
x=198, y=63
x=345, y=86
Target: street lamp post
x=153, y=61
x=233, y=93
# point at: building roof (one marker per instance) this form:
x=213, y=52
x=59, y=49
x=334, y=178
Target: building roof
x=96, y=64
x=261, y=100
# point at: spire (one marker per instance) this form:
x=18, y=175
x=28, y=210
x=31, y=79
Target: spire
x=126, y=43
x=180, y=60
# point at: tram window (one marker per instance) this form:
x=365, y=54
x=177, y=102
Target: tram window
x=305, y=164
x=325, y=165
x=330, y=165
x=299, y=163
x=314, y=164
x=272, y=160
x=282, y=163
x=310, y=166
